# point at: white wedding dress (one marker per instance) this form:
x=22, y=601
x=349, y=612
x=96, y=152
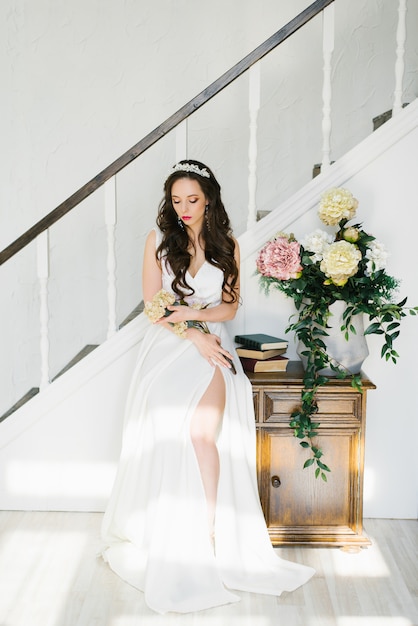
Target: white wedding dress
x=155, y=530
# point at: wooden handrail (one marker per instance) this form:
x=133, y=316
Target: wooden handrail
x=149, y=140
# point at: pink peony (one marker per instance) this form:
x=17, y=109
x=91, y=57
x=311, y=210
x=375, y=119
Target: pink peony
x=280, y=259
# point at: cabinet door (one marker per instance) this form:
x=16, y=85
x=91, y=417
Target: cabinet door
x=300, y=508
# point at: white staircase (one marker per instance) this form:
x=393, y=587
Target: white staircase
x=59, y=450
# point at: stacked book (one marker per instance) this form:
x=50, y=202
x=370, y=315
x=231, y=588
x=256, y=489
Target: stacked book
x=262, y=353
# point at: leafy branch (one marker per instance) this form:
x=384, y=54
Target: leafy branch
x=310, y=329
x=388, y=320
x=321, y=270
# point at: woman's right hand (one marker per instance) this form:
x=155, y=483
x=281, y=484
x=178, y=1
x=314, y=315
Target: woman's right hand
x=209, y=346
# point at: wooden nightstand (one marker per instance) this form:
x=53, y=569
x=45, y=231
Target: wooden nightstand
x=298, y=508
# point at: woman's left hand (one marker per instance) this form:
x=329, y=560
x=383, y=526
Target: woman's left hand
x=179, y=313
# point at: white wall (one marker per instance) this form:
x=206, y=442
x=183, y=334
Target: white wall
x=83, y=81
x=60, y=451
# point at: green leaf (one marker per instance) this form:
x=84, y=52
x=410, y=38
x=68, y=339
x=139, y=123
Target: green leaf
x=373, y=329
x=323, y=466
x=308, y=463
x=393, y=326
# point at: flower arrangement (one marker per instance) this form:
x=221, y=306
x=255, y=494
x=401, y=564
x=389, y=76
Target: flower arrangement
x=321, y=269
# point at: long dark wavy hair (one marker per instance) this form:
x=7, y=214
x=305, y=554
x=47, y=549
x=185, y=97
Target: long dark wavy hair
x=215, y=237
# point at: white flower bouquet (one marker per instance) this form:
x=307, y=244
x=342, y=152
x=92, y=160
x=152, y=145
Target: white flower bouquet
x=157, y=308
x=349, y=265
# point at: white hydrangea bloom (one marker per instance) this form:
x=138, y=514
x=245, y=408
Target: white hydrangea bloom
x=377, y=257
x=317, y=242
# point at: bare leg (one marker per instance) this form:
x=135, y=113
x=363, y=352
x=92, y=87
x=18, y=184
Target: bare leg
x=204, y=429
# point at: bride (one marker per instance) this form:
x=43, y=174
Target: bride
x=184, y=522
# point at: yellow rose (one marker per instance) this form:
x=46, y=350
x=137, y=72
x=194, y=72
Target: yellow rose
x=340, y=261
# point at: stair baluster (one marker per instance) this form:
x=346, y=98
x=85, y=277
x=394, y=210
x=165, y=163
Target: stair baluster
x=327, y=50
x=182, y=140
x=400, y=57
x=110, y=220
x=254, y=107
x=43, y=275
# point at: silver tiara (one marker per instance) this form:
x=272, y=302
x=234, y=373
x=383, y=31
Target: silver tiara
x=190, y=167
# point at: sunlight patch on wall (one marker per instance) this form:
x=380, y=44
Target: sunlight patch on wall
x=62, y=479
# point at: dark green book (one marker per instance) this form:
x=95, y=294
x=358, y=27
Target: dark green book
x=260, y=341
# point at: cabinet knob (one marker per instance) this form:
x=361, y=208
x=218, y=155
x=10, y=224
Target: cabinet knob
x=275, y=481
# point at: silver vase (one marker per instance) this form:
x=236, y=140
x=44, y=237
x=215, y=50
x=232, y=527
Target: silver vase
x=350, y=354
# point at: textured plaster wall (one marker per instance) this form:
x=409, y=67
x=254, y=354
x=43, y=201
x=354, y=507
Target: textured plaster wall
x=83, y=81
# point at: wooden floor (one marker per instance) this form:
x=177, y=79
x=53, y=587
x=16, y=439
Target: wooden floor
x=50, y=576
